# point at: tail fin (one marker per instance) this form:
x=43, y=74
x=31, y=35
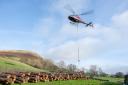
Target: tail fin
x=89, y=24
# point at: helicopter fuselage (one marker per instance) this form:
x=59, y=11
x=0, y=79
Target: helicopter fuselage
x=75, y=19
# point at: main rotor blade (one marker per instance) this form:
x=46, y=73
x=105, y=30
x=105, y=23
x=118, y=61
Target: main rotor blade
x=88, y=12
x=68, y=7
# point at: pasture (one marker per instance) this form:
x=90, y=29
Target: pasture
x=74, y=82
x=7, y=64
x=112, y=79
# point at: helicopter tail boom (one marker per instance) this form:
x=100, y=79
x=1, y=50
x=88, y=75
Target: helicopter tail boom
x=89, y=24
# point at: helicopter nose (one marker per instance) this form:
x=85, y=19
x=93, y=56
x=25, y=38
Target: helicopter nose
x=70, y=17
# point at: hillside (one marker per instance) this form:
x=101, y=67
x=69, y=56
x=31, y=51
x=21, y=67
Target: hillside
x=27, y=58
x=19, y=54
x=8, y=65
x=23, y=56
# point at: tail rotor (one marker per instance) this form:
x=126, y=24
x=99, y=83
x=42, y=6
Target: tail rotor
x=90, y=24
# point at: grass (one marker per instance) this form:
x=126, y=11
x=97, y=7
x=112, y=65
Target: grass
x=7, y=64
x=112, y=79
x=73, y=82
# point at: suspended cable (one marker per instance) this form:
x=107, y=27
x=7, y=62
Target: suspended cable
x=78, y=56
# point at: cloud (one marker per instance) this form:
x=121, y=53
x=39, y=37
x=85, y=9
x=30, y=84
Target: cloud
x=68, y=50
x=74, y=4
x=44, y=26
x=92, y=42
x=62, y=43
x=113, y=69
x=50, y=27
x=120, y=20
x=63, y=8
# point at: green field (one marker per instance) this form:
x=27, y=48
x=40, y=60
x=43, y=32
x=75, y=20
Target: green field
x=112, y=79
x=7, y=64
x=73, y=82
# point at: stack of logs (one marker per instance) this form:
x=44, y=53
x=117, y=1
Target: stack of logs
x=33, y=77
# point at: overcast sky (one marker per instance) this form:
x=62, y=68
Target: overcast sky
x=42, y=26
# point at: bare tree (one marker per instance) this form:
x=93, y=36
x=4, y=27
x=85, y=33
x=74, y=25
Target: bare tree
x=119, y=75
x=93, y=70
x=61, y=64
x=49, y=65
x=71, y=68
x=101, y=73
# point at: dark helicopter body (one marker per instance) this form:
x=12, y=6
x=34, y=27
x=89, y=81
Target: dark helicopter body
x=76, y=19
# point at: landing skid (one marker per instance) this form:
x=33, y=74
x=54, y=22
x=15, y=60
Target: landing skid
x=73, y=23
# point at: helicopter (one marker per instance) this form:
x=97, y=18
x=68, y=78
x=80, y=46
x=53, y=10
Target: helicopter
x=76, y=19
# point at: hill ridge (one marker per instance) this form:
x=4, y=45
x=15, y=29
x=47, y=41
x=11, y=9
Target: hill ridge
x=15, y=52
